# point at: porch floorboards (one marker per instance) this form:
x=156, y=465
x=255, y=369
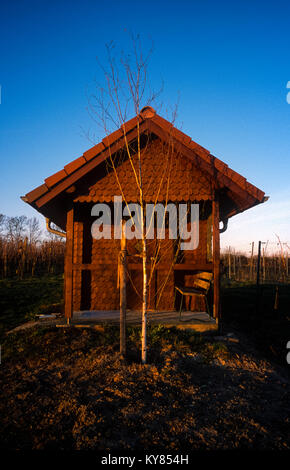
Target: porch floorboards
x=198, y=321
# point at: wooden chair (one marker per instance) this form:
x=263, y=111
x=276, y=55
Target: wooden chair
x=200, y=288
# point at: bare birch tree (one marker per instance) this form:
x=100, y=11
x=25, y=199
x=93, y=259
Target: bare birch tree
x=126, y=92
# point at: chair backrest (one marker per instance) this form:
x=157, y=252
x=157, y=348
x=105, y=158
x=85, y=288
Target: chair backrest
x=203, y=281
x=205, y=275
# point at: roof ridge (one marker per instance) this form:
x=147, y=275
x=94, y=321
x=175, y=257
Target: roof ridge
x=146, y=115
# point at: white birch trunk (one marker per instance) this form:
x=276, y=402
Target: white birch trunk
x=144, y=297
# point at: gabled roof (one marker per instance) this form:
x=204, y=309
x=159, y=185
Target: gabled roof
x=243, y=194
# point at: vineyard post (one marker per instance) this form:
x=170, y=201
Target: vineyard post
x=230, y=271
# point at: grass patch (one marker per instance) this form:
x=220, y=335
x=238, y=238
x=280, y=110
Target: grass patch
x=21, y=300
x=51, y=343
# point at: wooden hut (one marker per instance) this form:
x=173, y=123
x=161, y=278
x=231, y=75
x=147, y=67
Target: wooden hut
x=174, y=169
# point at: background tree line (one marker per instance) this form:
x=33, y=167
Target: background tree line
x=25, y=251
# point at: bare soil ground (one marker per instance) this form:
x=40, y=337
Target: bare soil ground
x=68, y=389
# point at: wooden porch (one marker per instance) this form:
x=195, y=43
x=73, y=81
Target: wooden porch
x=197, y=321
x=72, y=267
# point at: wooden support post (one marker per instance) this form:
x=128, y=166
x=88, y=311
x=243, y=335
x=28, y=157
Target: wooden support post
x=68, y=296
x=216, y=258
x=123, y=298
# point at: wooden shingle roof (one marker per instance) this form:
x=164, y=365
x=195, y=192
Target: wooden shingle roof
x=45, y=197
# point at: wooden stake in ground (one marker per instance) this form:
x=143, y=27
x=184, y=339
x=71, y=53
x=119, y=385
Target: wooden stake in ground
x=234, y=262
x=251, y=268
x=258, y=276
x=144, y=303
x=123, y=298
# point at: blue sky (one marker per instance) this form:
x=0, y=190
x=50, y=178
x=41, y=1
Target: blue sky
x=227, y=64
